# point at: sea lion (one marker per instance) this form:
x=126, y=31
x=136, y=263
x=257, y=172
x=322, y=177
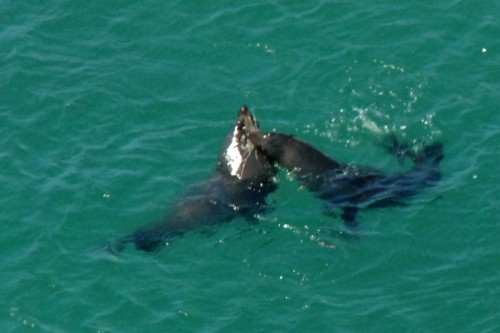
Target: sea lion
x=346, y=186
x=242, y=180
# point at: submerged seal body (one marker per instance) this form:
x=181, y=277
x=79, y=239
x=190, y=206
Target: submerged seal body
x=239, y=186
x=349, y=187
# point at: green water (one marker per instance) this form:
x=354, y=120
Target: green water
x=108, y=111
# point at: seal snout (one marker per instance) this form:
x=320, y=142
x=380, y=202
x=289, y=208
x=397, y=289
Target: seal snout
x=244, y=110
x=246, y=121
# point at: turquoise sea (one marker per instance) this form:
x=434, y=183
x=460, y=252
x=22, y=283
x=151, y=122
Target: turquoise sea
x=110, y=110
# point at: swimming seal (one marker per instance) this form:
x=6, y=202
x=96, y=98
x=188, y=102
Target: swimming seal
x=346, y=186
x=242, y=180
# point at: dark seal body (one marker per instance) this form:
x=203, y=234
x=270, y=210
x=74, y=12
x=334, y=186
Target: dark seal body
x=239, y=186
x=346, y=186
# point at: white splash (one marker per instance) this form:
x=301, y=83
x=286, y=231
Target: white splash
x=366, y=122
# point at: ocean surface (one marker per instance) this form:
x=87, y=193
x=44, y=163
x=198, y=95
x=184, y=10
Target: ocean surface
x=109, y=111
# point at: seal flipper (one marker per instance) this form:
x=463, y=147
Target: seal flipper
x=142, y=243
x=149, y=240
x=115, y=247
x=146, y=241
x=400, y=150
x=349, y=217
